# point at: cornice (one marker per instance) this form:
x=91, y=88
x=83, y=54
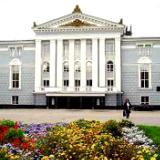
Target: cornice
x=12, y=42
x=81, y=29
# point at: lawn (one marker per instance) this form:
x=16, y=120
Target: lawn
x=152, y=132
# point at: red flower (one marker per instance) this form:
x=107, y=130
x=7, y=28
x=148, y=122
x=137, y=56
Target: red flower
x=16, y=142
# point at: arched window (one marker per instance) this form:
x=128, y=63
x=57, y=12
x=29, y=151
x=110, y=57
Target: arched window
x=89, y=67
x=89, y=74
x=65, y=67
x=15, y=74
x=144, y=70
x=45, y=67
x=110, y=66
x=77, y=67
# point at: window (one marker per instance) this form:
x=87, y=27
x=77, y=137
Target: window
x=45, y=49
x=15, y=74
x=66, y=83
x=110, y=66
x=15, y=100
x=89, y=49
x=77, y=67
x=144, y=49
x=145, y=100
x=66, y=67
x=89, y=67
x=89, y=82
x=77, y=49
x=46, y=83
x=65, y=49
x=144, y=71
x=77, y=83
x=45, y=67
x=110, y=83
x=144, y=78
x=109, y=46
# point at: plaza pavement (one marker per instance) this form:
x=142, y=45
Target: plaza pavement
x=67, y=115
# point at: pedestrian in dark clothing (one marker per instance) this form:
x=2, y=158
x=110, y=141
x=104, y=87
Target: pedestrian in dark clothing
x=126, y=108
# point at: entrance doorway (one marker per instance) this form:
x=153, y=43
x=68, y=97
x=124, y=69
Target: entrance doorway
x=75, y=102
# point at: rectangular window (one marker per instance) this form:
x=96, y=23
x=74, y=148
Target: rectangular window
x=77, y=49
x=66, y=83
x=109, y=46
x=110, y=83
x=144, y=75
x=144, y=49
x=77, y=83
x=15, y=76
x=145, y=100
x=45, y=49
x=89, y=82
x=15, y=100
x=46, y=83
x=66, y=49
x=88, y=49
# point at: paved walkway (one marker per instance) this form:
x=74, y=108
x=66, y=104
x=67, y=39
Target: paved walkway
x=58, y=115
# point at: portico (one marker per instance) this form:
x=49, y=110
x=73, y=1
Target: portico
x=79, y=49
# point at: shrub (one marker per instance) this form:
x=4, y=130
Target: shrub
x=126, y=123
x=85, y=123
x=112, y=127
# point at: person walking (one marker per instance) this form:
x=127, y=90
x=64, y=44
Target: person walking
x=126, y=108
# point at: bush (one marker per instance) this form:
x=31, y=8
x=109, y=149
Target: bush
x=126, y=123
x=112, y=127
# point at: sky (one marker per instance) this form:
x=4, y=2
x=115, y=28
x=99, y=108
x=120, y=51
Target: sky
x=17, y=16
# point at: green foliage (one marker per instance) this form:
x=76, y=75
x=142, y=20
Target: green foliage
x=112, y=127
x=85, y=123
x=14, y=133
x=126, y=123
x=7, y=123
x=3, y=154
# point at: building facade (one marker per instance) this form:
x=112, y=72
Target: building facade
x=80, y=61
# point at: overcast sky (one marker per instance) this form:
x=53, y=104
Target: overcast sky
x=17, y=16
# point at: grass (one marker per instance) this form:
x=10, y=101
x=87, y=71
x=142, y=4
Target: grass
x=153, y=132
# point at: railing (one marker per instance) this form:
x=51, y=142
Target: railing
x=110, y=89
x=77, y=88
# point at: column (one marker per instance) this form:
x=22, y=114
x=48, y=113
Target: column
x=83, y=65
x=118, y=63
x=102, y=62
x=59, y=63
x=52, y=62
x=38, y=66
x=94, y=63
x=71, y=65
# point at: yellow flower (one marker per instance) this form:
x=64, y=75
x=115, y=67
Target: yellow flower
x=51, y=156
x=45, y=158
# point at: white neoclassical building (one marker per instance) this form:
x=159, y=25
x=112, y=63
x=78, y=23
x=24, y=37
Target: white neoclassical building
x=80, y=61
x=82, y=54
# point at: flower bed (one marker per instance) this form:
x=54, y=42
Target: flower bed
x=79, y=140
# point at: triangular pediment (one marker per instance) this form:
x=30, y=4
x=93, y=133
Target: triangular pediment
x=78, y=20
